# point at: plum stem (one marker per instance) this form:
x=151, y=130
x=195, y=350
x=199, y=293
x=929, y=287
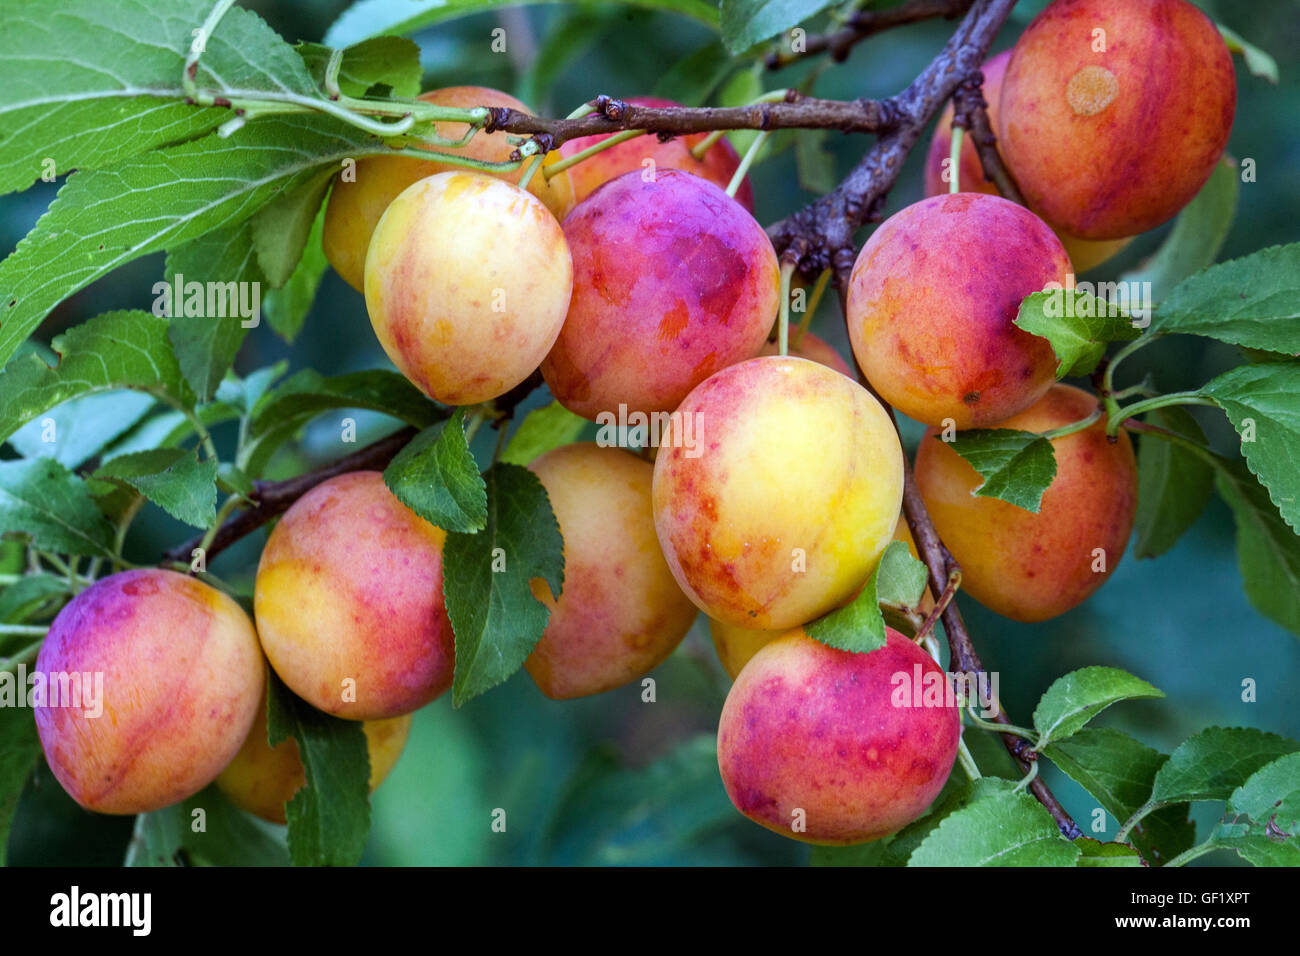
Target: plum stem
x=783, y=311
x=745, y=162
x=954, y=159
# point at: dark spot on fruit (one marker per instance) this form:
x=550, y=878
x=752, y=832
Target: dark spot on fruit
x=971, y=398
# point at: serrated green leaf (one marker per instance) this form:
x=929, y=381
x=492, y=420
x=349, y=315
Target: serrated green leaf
x=103, y=219
x=285, y=308
x=1095, y=853
x=1268, y=551
x=747, y=22
x=20, y=748
x=900, y=578
x=205, y=830
x=1262, y=819
x=1119, y=771
x=1216, y=762
x=80, y=428
x=1078, y=326
x=1081, y=695
x=1198, y=235
x=1010, y=829
x=486, y=580
x=172, y=478
x=280, y=229
x=41, y=498
x=1174, y=483
x=389, y=61
x=329, y=817
x=1257, y=61
x=1017, y=466
x=541, y=430
x=114, y=350
x=30, y=592
x=859, y=626
x=368, y=18
x=437, y=478
x=1253, y=301
x=1260, y=401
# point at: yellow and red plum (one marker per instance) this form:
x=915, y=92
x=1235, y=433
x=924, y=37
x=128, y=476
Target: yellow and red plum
x=620, y=612
x=672, y=280
x=932, y=304
x=1027, y=566
x=357, y=202
x=736, y=646
x=1113, y=113
x=349, y=602
x=718, y=165
x=836, y=748
x=467, y=284
x=781, y=509
x=262, y=779
x=182, y=680
x=1084, y=254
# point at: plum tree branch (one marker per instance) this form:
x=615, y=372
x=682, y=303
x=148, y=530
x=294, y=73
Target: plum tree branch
x=864, y=24
x=970, y=111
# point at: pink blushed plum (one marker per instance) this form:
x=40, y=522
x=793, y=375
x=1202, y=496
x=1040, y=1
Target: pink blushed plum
x=182, y=680
x=349, y=601
x=831, y=747
x=672, y=281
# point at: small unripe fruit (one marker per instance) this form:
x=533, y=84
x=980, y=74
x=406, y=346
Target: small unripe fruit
x=932, y=304
x=1027, y=566
x=467, y=284
x=1084, y=254
x=835, y=748
x=647, y=155
x=1114, y=113
x=357, y=202
x=792, y=490
x=182, y=680
x=349, y=601
x=262, y=779
x=672, y=280
x=620, y=612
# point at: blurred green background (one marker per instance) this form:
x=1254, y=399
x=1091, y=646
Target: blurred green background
x=614, y=779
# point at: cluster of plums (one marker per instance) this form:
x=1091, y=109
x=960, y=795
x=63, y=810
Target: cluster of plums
x=634, y=281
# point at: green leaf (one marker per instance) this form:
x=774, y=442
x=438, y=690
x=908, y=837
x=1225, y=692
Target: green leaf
x=41, y=498
x=1017, y=466
x=205, y=830
x=567, y=37
x=281, y=228
x=1174, y=483
x=214, y=305
x=1260, y=401
x=814, y=163
x=388, y=61
x=1078, y=325
x=1262, y=820
x=329, y=818
x=1081, y=695
x=114, y=350
x=1095, y=853
x=1214, y=763
x=743, y=88
x=955, y=796
x=1197, y=236
x=541, y=430
x=437, y=478
x=859, y=626
x=1253, y=301
x=692, y=79
x=486, y=580
x=103, y=219
x=746, y=22
x=172, y=478
x=83, y=103
x=285, y=308
x=1268, y=551
x=1010, y=829
x=900, y=579
x=20, y=748
x=1257, y=61
x=1119, y=771
x=20, y=600
x=79, y=429
x=369, y=18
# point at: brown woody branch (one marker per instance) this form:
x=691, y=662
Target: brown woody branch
x=867, y=23
x=970, y=111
